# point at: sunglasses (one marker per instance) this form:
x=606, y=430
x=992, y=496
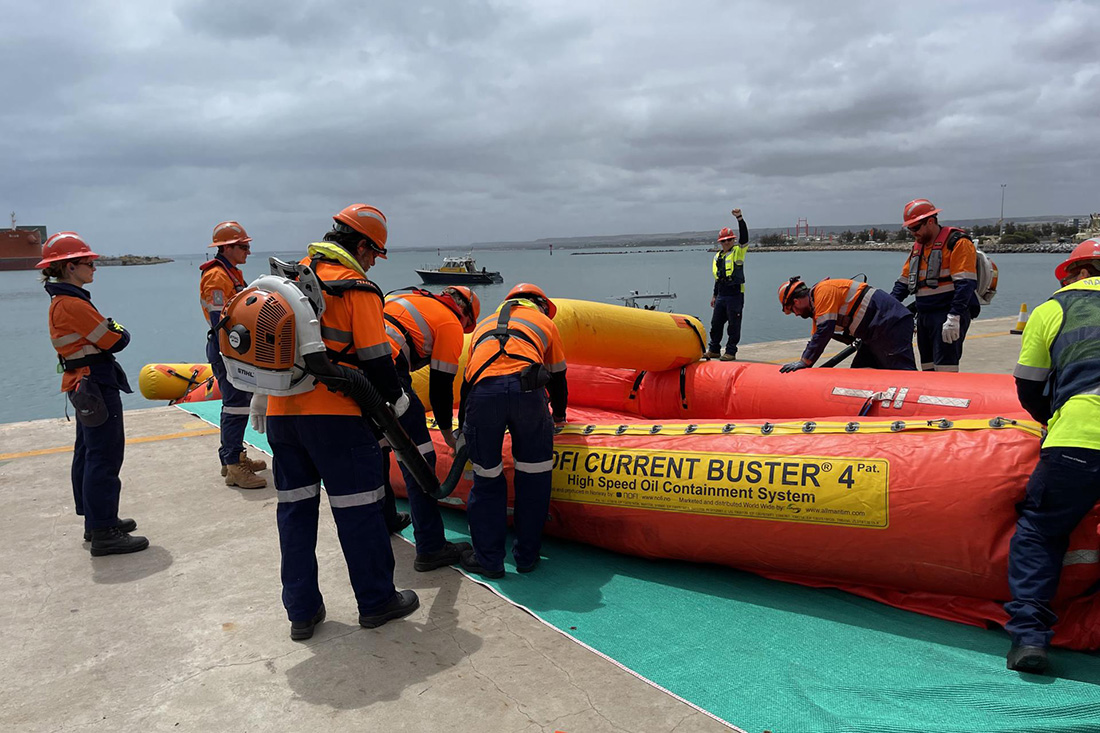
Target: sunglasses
x=918, y=226
x=89, y=263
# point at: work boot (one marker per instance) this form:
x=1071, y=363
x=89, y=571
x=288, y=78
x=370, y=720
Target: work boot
x=302, y=630
x=728, y=357
x=113, y=541
x=528, y=568
x=399, y=522
x=241, y=475
x=255, y=466
x=471, y=565
x=1024, y=658
x=711, y=354
x=449, y=554
x=402, y=604
x=124, y=525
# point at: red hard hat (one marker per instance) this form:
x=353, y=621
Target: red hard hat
x=368, y=221
x=725, y=234
x=787, y=291
x=468, y=302
x=229, y=232
x=64, y=246
x=535, y=293
x=1087, y=250
x=916, y=210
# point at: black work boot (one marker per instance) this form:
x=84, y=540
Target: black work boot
x=398, y=522
x=402, y=604
x=113, y=541
x=124, y=525
x=1024, y=658
x=302, y=630
x=449, y=554
x=471, y=565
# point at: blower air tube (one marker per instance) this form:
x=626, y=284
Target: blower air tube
x=462, y=454
x=355, y=385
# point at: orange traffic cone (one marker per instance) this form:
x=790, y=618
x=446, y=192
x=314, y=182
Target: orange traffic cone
x=1021, y=321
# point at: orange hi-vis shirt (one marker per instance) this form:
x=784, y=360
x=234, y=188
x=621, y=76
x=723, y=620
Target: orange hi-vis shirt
x=77, y=330
x=433, y=328
x=545, y=346
x=843, y=302
x=352, y=320
x=220, y=281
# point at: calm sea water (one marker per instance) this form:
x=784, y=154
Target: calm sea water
x=159, y=304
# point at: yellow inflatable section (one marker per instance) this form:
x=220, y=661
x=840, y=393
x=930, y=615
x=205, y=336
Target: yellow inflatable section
x=171, y=381
x=613, y=336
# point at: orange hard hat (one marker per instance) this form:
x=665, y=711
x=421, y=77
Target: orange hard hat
x=1087, y=250
x=365, y=220
x=725, y=234
x=468, y=302
x=535, y=293
x=787, y=292
x=64, y=246
x=229, y=232
x=916, y=210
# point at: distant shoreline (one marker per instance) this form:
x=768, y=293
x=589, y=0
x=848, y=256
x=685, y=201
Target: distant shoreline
x=990, y=248
x=131, y=260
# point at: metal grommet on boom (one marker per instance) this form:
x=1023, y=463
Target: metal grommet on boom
x=766, y=428
x=897, y=426
x=851, y=427
x=809, y=426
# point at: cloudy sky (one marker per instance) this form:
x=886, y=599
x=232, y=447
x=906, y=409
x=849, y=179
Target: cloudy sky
x=143, y=124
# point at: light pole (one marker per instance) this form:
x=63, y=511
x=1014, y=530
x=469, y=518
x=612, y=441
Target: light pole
x=1003, y=208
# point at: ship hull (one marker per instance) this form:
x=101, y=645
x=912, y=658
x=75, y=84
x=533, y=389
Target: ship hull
x=18, y=263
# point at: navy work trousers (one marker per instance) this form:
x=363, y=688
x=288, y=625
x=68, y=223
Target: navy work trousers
x=935, y=353
x=97, y=459
x=727, y=314
x=493, y=405
x=1063, y=488
x=887, y=335
x=427, y=522
x=341, y=451
x=235, y=403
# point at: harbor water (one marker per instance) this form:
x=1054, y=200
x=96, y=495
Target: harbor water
x=159, y=304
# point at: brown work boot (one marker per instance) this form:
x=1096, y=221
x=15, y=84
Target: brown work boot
x=243, y=476
x=254, y=466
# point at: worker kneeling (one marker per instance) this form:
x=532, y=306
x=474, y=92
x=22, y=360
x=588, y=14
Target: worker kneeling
x=515, y=357
x=848, y=310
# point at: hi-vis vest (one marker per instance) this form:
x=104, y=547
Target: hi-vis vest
x=731, y=265
x=1075, y=351
x=936, y=274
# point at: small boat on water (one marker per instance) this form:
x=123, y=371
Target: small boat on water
x=460, y=270
x=631, y=300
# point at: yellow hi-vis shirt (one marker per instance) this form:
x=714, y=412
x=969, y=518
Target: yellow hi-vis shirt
x=1077, y=423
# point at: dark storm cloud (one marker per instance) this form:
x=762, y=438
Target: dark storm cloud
x=475, y=121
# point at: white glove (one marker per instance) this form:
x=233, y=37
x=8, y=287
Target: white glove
x=401, y=405
x=460, y=440
x=257, y=413
x=951, y=329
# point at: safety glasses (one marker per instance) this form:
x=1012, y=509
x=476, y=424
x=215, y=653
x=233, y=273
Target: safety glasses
x=918, y=226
